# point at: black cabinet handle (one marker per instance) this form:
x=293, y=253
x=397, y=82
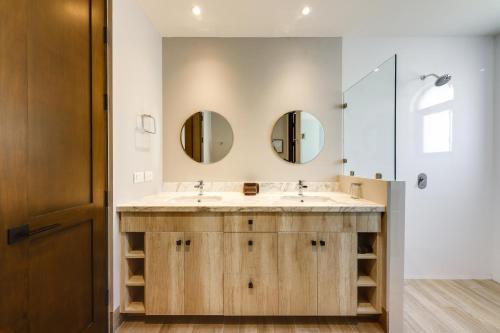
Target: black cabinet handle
x=250, y=285
x=178, y=242
x=250, y=222
x=188, y=242
x=250, y=242
x=322, y=243
x=313, y=243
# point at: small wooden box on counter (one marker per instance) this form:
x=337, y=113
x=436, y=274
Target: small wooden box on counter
x=250, y=188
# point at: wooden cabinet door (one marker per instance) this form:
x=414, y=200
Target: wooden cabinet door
x=250, y=274
x=337, y=272
x=203, y=273
x=164, y=270
x=298, y=273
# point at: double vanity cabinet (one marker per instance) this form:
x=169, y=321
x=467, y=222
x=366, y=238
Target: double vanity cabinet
x=253, y=263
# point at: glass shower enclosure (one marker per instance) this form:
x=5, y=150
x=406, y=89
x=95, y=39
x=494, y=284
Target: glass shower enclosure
x=369, y=124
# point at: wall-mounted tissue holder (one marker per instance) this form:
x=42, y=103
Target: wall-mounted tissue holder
x=147, y=123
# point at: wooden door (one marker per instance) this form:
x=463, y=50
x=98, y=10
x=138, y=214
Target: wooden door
x=203, y=273
x=250, y=274
x=193, y=136
x=298, y=273
x=198, y=137
x=292, y=137
x=164, y=270
x=53, y=274
x=337, y=273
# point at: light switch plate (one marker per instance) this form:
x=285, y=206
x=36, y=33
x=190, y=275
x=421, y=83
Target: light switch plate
x=148, y=176
x=138, y=177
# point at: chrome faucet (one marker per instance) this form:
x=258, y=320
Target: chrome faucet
x=301, y=187
x=200, y=187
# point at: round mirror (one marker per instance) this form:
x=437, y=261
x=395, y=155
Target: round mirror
x=206, y=137
x=298, y=137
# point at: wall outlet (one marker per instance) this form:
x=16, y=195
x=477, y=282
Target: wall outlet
x=138, y=177
x=148, y=176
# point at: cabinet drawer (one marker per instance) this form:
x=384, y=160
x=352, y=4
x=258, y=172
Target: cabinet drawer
x=367, y=222
x=248, y=295
x=255, y=253
x=246, y=222
x=171, y=222
x=316, y=222
x=250, y=274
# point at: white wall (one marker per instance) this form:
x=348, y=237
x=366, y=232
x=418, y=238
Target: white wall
x=252, y=82
x=496, y=250
x=137, y=89
x=448, y=225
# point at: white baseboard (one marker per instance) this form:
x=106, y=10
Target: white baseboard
x=116, y=320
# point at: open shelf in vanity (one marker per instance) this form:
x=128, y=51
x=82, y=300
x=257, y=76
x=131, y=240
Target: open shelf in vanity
x=133, y=277
x=370, y=280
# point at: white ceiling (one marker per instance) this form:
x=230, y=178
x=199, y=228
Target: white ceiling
x=276, y=18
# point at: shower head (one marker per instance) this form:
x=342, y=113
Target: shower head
x=440, y=80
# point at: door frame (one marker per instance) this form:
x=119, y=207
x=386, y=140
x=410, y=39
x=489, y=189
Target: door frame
x=114, y=316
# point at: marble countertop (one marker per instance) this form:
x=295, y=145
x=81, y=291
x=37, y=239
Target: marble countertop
x=264, y=202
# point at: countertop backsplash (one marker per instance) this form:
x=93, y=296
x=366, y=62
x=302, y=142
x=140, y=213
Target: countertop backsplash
x=265, y=187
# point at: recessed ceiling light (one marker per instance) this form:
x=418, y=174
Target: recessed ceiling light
x=306, y=10
x=196, y=10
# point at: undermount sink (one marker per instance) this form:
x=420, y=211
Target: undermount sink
x=196, y=199
x=306, y=198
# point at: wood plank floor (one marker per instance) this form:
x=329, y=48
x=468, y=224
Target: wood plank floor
x=431, y=306
x=466, y=306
